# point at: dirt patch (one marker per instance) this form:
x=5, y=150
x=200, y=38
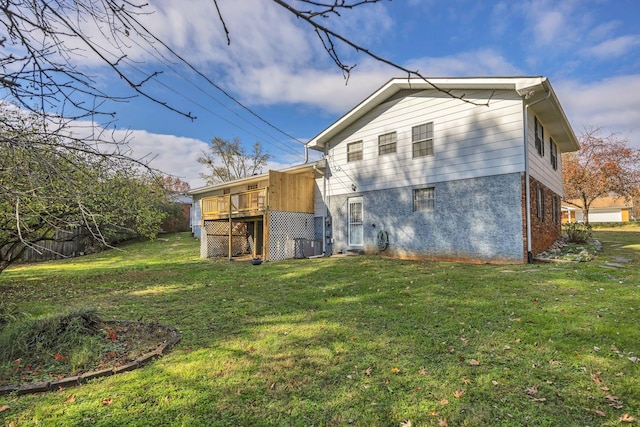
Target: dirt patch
x=121, y=346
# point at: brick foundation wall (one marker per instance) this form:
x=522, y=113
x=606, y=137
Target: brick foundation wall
x=545, y=230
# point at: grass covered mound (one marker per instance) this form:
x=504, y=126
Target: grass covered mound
x=69, y=344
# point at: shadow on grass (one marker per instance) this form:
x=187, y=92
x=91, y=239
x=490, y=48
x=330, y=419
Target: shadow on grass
x=361, y=341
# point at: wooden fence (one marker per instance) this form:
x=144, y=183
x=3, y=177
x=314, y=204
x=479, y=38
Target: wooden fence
x=65, y=244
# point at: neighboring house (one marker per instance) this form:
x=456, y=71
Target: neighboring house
x=603, y=209
x=411, y=172
x=419, y=174
x=270, y=216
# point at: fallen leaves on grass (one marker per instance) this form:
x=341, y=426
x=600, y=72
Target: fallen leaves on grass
x=614, y=402
x=108, y=401
x=626, y=418
x=458, y=394
x=70, y=399
x=395, y=370
x=596, y=379
x=474, y=362
x=4, y=408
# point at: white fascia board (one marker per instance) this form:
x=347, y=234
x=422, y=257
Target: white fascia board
x=545, y=105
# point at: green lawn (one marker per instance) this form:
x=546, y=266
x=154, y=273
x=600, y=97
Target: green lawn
x=363, y=341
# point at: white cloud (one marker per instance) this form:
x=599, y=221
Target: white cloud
x=482, y=62
x=613, y=48
x=327, y=90
x=549, y=26
x=177, y=156
x=170, y=154
x=610, y=103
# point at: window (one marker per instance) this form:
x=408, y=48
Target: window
x=539, y=136
x=540, y=201
x=554, y=154
x=555, y=209
x=422, y=140
x=387, y=143
x=424, y=199
x=252, y=187
x=354, y=151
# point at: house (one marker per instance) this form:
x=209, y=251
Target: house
x=410, y=172
x=414, y=172
x=269, y=216
x=602, y=209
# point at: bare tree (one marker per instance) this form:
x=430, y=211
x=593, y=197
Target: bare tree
x=228, y=160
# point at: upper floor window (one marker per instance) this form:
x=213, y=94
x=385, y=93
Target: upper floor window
x=387, y=143
x=554, y=154
x=422, y=140
x=252, y=187
x=354, y=151
x=539, y=136
x=424, y=199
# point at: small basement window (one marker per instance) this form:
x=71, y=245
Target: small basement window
x=424, y=199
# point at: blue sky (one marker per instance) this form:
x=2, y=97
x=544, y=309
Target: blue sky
x=275, y=65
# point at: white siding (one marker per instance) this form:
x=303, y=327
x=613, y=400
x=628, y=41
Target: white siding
x=540, y=167
x=469, y=141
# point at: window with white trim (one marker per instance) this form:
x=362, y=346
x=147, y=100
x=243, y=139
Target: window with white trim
x=422, y=140
x=540, y=201
x=354, y=151
x=555, y=209
x=387, y=143
x=539, y=136
x=554, y=154
x=424, y=199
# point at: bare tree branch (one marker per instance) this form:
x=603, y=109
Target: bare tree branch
x=327, y=35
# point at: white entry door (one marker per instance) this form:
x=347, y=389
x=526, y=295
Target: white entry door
x=355, y=221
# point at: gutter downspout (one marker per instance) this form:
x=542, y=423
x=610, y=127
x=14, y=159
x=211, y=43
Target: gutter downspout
x=325, y=208
x=526, y=173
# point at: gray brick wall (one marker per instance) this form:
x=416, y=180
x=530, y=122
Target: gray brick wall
x=474, y=219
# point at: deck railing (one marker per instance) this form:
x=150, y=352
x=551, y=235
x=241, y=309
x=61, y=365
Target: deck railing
x=235, y=203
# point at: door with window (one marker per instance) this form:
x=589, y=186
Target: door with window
x=356, y=231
